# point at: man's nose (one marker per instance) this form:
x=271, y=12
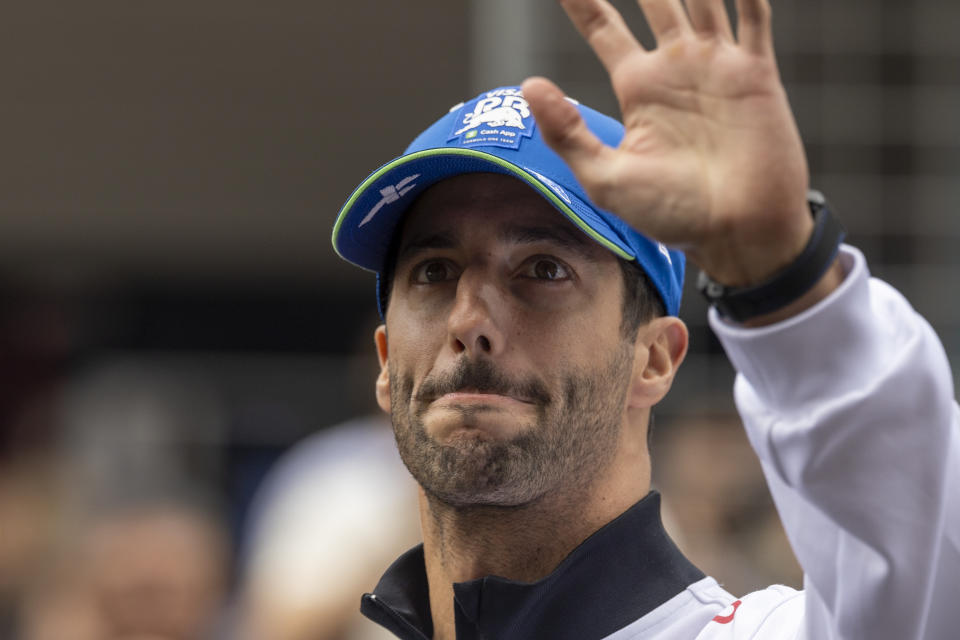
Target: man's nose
x=472, y=324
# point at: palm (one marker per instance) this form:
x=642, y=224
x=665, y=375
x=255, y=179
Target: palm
x=710, y=142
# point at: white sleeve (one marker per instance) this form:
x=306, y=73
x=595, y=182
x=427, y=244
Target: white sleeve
x=850, y=407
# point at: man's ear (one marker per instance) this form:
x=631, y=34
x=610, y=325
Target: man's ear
x=660, y=347
x=383, y=380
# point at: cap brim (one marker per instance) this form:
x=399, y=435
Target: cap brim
x=367, y=221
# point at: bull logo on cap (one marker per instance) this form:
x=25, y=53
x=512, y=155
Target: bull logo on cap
x=502, y=108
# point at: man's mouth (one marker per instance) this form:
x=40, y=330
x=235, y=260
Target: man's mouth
x=478, y=396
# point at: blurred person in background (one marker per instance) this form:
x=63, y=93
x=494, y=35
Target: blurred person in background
x=716, y=504
x=103, y=531
x=30, y=503
x=152, y=568
x=331, y=512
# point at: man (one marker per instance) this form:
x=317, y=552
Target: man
x=522, y=351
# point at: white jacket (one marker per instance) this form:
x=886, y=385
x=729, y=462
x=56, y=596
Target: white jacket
x=850, y=407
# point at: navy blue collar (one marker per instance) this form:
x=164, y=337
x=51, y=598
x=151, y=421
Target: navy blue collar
x=619, y=574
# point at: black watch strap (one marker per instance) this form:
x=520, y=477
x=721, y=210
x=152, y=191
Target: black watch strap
x=791, y=282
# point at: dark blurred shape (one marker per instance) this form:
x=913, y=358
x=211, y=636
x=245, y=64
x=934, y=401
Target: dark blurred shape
x=36, y=343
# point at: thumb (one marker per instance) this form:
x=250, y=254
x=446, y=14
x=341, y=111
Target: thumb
x=564, y=130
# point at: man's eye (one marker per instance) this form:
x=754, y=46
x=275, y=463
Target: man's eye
x=433, y=271
x=546, y=269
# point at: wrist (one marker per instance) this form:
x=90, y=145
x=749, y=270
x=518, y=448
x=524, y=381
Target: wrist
x=754, y=254
x=808, y=277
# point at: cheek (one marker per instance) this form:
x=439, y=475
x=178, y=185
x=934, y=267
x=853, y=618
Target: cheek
x=412, y=346
x=575, y=338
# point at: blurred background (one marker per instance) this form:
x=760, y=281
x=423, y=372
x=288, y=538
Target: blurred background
x=173, y=321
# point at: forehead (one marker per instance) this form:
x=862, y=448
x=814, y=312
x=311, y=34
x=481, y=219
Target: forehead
x=455, y=205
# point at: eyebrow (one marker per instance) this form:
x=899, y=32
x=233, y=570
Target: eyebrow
x=571, y=239
x=424, y=243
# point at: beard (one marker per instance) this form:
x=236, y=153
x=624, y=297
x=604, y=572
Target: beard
x=574, y=435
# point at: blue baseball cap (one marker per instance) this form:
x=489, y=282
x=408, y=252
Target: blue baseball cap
x=494, y=133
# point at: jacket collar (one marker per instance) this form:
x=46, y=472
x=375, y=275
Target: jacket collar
x=619, y=574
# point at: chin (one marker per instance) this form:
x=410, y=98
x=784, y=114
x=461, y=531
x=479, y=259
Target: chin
x=472, y=469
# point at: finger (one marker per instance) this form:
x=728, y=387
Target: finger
x=563, y=128
x=709, y=18
x=603, y=28
x=753, y=26
x=667, y=19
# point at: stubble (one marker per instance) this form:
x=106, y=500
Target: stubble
x=573, y=438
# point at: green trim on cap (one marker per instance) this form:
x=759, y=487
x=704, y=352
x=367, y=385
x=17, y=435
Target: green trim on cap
x=521, y=173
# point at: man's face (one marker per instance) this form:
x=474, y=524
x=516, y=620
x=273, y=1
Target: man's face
x=506, y=365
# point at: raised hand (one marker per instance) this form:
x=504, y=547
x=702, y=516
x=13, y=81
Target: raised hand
x=712, y=162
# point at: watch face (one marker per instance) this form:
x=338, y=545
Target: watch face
x=711, y=289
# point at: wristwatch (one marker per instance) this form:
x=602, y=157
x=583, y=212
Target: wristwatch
x=791, y=282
